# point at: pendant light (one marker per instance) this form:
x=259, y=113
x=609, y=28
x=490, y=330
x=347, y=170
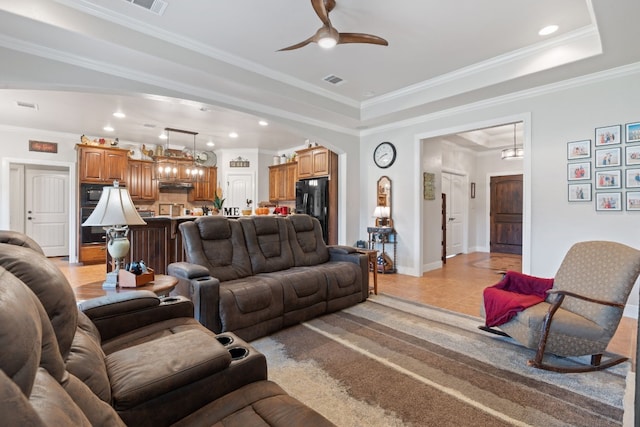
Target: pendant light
x=172, y=172
x=514, y=152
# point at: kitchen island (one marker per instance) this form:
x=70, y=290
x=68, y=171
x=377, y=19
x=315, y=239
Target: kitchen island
x=158, y=243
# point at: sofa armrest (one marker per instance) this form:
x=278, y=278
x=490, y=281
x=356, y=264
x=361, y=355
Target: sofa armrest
x=117, y=314
x=195, y=283
x=342, y=249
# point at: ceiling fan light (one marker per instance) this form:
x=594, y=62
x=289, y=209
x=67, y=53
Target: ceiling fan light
x=327, y=42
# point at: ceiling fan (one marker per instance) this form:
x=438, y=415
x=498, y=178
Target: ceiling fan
x=327, y=36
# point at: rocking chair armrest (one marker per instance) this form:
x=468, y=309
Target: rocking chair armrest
x=582, y=297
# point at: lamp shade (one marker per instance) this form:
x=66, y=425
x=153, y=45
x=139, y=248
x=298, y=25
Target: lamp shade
x=382, y=212
x=115, y=208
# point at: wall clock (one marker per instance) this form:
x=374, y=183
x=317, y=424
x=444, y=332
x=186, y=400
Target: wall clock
x=384, y=155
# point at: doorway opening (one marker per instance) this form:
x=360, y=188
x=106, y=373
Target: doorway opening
x=41, y=204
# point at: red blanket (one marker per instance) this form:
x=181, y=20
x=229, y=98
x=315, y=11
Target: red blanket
x=514, y=293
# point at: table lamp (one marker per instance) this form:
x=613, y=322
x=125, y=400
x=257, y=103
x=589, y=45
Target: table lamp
x=115, y=212
x=382, y=214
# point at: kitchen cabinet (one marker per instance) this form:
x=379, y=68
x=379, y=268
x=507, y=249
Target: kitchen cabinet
x=102, y=164
x=140, y=183
x=282, y=182
x=314, y=162
x=205, y=191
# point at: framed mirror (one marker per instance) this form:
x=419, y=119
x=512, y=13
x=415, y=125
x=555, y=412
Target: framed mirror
x=383, y=195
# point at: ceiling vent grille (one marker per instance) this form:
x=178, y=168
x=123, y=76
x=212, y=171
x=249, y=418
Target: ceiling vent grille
x=30, y=105
x=155, y=6
x=333, y=79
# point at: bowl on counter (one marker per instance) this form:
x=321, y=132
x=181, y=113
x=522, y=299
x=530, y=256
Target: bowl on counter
x=246, y=212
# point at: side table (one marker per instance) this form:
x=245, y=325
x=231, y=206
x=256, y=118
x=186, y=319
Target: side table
x=162, y=285
x=372, y=256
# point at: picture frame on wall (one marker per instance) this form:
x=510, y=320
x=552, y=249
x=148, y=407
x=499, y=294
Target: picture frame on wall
x=632, y=178
x=609, y=201
x=579, y=150
x=579, y=171
x=580, y=192
x=608, y=135
x=608, y=179
x=608, y=157
x=632, y=155
x=632, y=131
x=633, y=200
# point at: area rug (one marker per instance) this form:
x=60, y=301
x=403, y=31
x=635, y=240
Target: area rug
x=391, y=362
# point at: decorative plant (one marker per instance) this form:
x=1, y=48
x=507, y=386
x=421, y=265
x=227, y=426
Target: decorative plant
x=218, y=202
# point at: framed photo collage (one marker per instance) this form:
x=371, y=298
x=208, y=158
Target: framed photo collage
x=607, y=171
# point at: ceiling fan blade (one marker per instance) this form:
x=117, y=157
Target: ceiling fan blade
x=298, y=45
x=361, y=38
x=321, y=11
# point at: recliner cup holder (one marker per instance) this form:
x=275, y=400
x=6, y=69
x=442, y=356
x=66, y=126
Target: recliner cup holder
x=238, y=353
x=225, y=340
x=170, y=299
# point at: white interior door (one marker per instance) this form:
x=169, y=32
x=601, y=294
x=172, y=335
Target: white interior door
x=47, y=209
x=453, y=187
x=239, y=189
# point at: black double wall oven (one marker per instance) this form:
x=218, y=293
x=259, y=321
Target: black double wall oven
x=89, y=197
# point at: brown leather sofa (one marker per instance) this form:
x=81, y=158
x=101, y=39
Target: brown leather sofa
x=256, y=275
x=132, y=359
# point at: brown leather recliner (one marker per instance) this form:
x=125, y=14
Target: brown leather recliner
x=256, y=275
x=157, y=367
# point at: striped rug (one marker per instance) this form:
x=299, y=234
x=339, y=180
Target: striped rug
x=389, y=362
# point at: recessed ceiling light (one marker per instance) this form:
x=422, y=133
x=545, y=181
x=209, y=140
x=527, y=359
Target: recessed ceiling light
x=233, y=135
x=210, y=144
x=119, y=114
x=263, y=123
x=163, y=135
x=549, y=29
x=108, y=128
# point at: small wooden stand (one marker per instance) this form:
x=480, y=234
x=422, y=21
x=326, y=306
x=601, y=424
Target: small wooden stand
x=127, y=279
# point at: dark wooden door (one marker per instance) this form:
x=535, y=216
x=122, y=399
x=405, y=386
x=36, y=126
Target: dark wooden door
x=506, y=214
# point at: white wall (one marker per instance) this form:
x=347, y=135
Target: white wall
x=552, y=117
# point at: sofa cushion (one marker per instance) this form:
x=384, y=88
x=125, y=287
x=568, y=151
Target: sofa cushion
x=304, y=290
x=344, y=284
x=267, y=243
x=86, y=360
x=151, y=332
x=143, y=372
x=53, y=405
x=261, y=403
x=305, y=238
x=249, y=301
x=217, y=243
x=50, y=286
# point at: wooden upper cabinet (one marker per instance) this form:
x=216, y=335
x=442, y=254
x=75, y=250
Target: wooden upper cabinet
x=282, y=182
x=205, y=191
x=140, y=182
x=102, y=164
x=314, y=162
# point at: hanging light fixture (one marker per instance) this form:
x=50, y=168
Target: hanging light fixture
x=514, y=152
x=170, y=171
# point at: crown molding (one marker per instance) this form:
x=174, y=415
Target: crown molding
x=625, y=70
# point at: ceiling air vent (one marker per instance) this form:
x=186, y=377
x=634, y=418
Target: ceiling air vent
x=333, y=79
x=155, y=6
x=30, y=105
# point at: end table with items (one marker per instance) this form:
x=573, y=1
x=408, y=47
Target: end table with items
x=381, y=237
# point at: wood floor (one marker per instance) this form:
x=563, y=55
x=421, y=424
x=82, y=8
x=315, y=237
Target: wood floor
x=456, y=287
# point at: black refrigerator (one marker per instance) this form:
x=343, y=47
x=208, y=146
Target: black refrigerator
x=312, y=198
